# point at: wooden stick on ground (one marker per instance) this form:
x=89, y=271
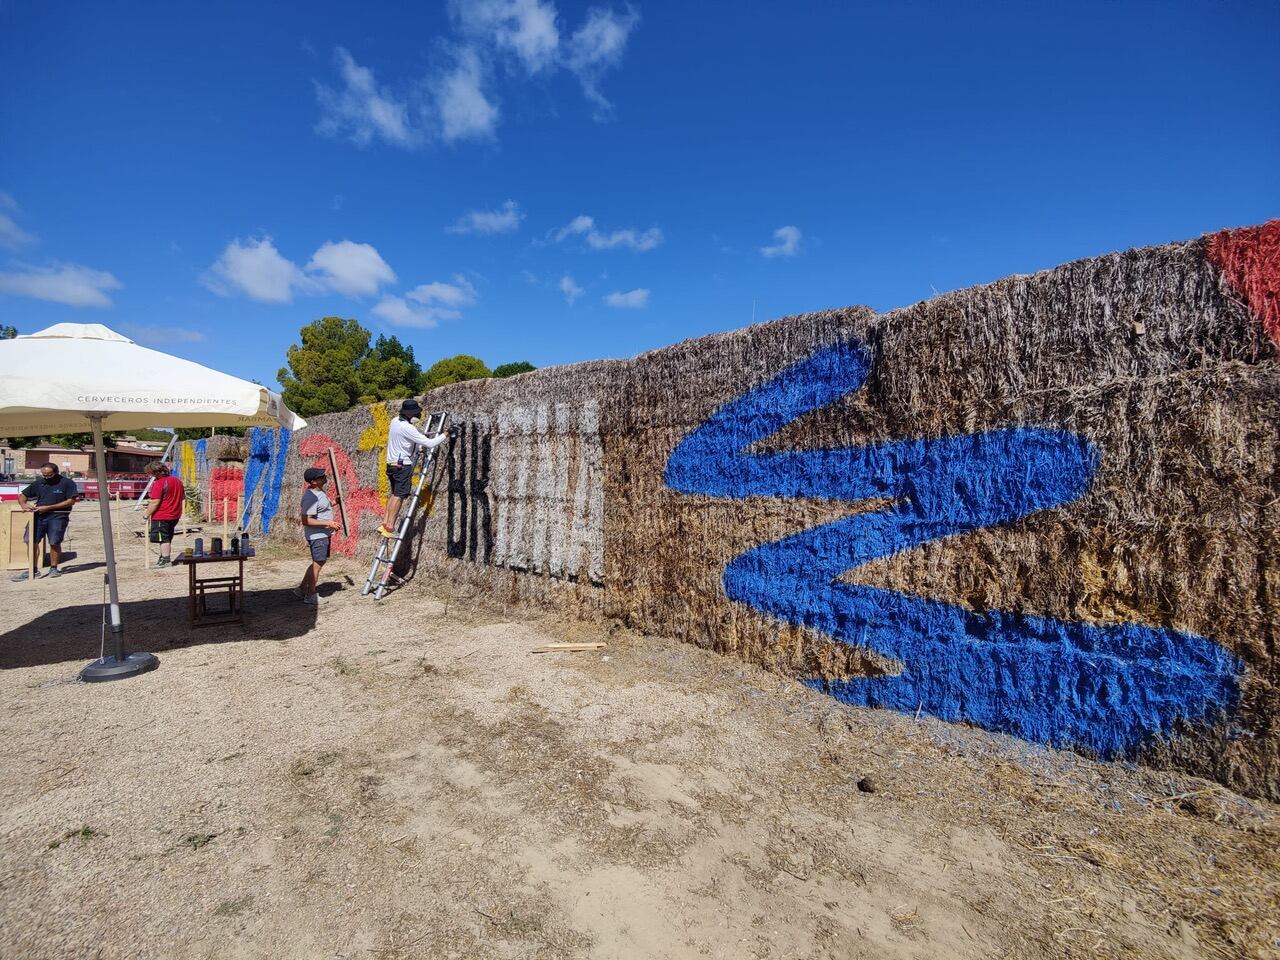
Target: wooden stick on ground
x=568, y=647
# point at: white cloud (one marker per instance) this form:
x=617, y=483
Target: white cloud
x=570, y=289
x=506, y=219
x=356, y=269
x=158, y=336
x=432, y=302
x=640, y=242
x=12, y=236
x=491, y=41
x=460, y=293
x=579, y=224
x=635, y=240
x=788, y=244
x=633, y=299
x=256, y=269
x=525, y=28
x=465, y=112
x=399, y=311
x=361, y=110
x=597, y=46
x=65, y=283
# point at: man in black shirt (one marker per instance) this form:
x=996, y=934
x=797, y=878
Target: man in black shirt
x=50, y=498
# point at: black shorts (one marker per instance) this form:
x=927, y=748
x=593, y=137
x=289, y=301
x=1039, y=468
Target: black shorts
x=401, y=478
x=319, y=549
x=162, y=530
x=51, y=527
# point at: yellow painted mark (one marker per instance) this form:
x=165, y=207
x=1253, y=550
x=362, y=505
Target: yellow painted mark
x=375, y=438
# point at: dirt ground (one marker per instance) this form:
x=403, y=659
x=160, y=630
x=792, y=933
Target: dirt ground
x=407, y=779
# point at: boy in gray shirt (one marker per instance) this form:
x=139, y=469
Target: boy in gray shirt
x=317, y=526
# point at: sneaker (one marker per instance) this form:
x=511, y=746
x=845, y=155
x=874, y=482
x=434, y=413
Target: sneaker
x=163, y=562
x=383, y=531
x=23, y=576
x=53, y=572
x=315, y=600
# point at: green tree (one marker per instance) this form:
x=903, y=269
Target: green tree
x=454, y=370
x=150, y=433
x=76, y=441
x=334, y=368
x=7, y=332
x=511, y=369
x=195, y=433
x=389, y=371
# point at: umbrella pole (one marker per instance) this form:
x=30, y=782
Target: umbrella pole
x=115, y=665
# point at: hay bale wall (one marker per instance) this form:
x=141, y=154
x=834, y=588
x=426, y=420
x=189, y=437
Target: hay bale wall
x=1049, y=506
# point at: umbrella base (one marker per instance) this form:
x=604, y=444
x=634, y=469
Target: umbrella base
x=110, y=668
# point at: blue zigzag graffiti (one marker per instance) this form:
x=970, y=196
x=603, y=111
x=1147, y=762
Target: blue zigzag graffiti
x=268, y=448
x=1108, y=688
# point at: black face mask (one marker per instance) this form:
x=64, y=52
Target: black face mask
x=52, y=480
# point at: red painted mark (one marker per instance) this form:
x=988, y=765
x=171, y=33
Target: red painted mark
x=357, y=499
x=1249, y=258
x=225, y=483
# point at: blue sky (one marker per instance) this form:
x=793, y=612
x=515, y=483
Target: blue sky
x=557, y=181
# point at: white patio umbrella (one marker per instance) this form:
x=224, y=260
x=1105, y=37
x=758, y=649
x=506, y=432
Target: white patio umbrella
x=76, y=375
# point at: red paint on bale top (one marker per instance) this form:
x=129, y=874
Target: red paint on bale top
x=1250, y=260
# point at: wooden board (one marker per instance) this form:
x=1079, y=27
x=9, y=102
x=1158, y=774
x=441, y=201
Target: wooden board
x=13, y=522
x=337, y=488
x=567, y=647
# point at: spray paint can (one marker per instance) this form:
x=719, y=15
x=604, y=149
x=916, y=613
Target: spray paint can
x=199, y=548
x=215, y=547
x=246, y=550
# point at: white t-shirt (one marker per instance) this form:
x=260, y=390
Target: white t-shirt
x=404, y=438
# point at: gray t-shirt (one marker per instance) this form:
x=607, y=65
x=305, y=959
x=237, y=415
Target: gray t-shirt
x=315, y=503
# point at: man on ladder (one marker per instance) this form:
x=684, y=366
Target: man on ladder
x=403, y=440
x=410, y=448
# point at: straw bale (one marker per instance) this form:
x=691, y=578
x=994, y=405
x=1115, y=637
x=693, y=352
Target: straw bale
x=228, y=449
x=1153, y=361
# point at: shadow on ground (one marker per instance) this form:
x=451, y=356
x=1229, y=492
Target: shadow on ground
x=73, y=634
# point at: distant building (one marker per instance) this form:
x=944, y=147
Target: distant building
x=69, y=460
x=77, y=462
x=129, y=459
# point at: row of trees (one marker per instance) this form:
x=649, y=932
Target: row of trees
x=338, y=364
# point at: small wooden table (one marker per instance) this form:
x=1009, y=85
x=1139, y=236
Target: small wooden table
x=202, y=583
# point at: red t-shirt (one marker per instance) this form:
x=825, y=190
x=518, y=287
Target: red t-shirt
x=168, y=490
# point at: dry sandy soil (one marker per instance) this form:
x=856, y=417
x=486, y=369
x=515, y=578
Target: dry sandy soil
x=406, y=779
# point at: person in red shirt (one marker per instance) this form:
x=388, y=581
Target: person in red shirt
x=164, y=510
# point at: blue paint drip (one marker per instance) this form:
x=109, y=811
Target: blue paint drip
x=202, y=463
x=268, y=448
x=1106, y=688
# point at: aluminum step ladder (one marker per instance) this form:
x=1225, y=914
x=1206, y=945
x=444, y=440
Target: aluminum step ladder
x=427, y=466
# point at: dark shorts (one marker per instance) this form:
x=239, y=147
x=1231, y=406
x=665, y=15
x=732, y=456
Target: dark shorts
x=401, y=478
x=52, y=527
x=319, y=549
x=162, y=530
